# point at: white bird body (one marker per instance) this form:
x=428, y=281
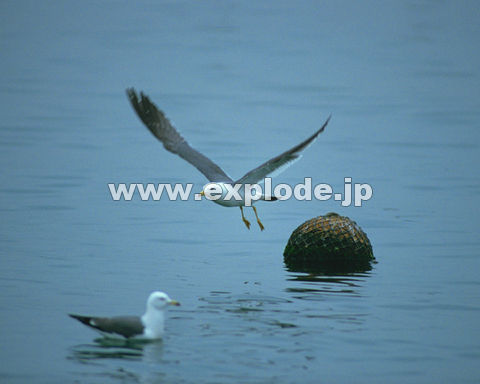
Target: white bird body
x=230, y=195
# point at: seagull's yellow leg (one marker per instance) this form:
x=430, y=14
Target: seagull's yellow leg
x=258, y=220
x=247, y=223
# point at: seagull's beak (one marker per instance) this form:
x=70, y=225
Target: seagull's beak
x=202, y=193
x=174, y=302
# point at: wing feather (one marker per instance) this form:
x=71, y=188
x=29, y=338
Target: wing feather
x=280, y=162
x=127, y=326
x=158, y=124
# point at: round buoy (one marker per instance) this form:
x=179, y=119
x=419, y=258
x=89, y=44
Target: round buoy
x=330, y=243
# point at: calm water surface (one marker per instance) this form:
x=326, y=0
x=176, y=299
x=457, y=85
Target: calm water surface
x=242, y=82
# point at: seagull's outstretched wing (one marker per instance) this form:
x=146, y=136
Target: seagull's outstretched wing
x=285, y=159
x=126, y=326
x=164, y=131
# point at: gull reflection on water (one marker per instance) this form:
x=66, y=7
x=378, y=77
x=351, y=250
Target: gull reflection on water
x=109, y=348
x=125, y=351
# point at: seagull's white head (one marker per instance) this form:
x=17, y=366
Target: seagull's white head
x=159, y=301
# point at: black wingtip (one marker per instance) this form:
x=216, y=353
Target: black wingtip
x=325, y=124
x=132, y=95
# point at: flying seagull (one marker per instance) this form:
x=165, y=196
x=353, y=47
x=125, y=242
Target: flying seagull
x=148, y=327
x=163, y=130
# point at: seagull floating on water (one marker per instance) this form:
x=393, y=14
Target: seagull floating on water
x=163, y=130
x=148, y=327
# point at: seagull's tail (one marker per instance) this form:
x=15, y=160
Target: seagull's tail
x=269, y=198
x=83, y=319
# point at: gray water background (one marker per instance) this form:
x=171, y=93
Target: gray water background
x=242, y=81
